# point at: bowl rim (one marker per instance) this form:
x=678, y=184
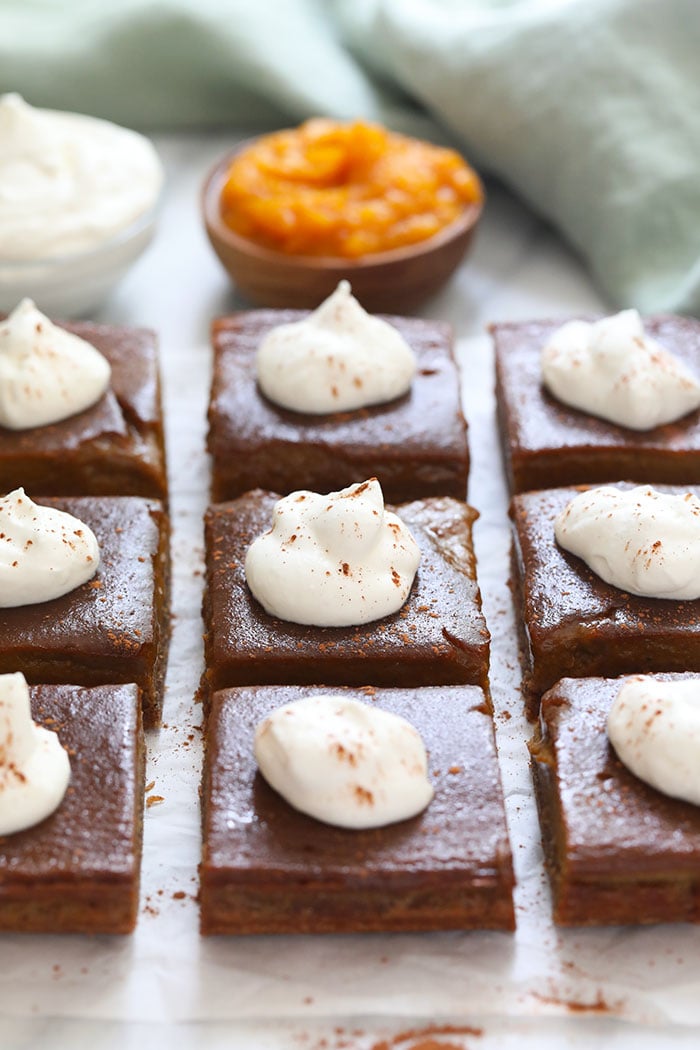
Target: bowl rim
x=137, y=225
x=211, y=195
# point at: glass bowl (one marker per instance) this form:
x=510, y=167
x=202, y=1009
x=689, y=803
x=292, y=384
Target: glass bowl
x=75, y=284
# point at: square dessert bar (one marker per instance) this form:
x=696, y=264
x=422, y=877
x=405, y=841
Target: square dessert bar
x=416, y=445
x=573, y=624
x=78, y=870
x=113, y=448
x=617, y=850
x=115, y=627
x=267, y=868
x=439, y=637
x=546, y=443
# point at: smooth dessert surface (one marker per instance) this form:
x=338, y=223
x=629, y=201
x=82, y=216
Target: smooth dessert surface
x=439, y=637
x=416, y=445
x=116, y=447
x=78, y=870
x=573, y=623
x=268, y=868
x=547, y=444
x=115, y=627
x=617, y=850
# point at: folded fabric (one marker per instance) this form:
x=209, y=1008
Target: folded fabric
x=590, y=109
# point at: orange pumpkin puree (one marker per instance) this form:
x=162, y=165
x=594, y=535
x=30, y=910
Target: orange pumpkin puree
x=346, y=190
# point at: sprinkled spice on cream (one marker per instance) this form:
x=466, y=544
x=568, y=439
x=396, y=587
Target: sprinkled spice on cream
x=333, y=560
x=46, y=373
x=640, y=540
x=34, y=767
x=44, y=552
x=654, y=726
x=344, y=762
x=337, y=359
x=614, y=370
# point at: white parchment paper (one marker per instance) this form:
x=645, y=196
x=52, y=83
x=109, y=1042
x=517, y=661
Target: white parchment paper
x=165, y=972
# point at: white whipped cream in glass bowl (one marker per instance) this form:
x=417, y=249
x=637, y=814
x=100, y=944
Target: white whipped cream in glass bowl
x=78, y=199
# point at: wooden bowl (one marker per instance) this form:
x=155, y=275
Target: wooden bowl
x=387, y=282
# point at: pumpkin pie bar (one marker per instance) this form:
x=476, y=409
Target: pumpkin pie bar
x=546, y=443
x=113, y=629
x=78, y=870
x=416, y=444
x=438, y=637
x=267, y=868
x=116, y=447
x=572, y=623
x=617, y=850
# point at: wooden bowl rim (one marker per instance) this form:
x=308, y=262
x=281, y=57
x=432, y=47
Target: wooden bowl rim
x=217, y=228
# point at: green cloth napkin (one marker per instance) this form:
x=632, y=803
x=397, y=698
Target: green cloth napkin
x=589, y=109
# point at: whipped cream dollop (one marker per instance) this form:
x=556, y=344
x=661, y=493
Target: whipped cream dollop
x=34, y=767
x=640, y=540
x=44, y=552
x=654, y=727
x=69, y=182
x=46, y=373
x=344, y=762
x=334, y=560
x=614, y=370
x=337, y=359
